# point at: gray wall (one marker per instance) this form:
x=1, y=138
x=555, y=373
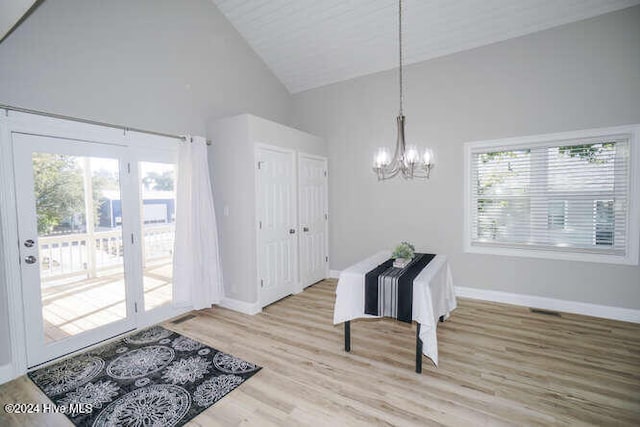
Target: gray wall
x=577, y=76
x=162, y=65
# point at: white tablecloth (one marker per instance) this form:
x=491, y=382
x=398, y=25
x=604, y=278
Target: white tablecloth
x=433, y=296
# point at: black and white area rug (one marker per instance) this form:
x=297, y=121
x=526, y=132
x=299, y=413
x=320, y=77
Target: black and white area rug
x=155, y=377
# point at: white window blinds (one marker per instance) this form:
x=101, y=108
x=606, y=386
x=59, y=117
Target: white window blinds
x=562, y=195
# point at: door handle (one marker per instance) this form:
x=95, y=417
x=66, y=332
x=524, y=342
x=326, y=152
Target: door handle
x=305, y=229
x=29, y=243
x=292, y=231
x=30, y=259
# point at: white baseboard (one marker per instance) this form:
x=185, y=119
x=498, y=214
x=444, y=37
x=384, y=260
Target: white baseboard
x=6, y=373
x=241, y=306
x=298, y=288
x=575, y=307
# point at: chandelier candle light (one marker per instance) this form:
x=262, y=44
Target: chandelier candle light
x=409, y=161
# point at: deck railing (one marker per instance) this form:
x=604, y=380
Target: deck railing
x=73, y=254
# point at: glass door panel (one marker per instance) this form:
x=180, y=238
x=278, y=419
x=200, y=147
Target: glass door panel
x=158, y=216
x=71, y=240
x=79, y=243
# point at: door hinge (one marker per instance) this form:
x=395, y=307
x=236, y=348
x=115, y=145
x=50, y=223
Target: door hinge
x=260, y=225
x=128, y=167
x=132, y=238
x=326, y=259
x=325, y=173
x=260, y=165
x=326, y=216
x=135, y=307
x=261, y=283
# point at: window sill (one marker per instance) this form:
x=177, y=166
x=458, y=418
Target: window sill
x=551, y=254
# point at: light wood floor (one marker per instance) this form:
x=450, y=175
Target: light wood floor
x=499, y=365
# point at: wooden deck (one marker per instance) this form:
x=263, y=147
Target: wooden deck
x=499, y=365
x=80, y=306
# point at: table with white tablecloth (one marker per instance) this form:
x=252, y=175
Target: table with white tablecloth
x=433, y=299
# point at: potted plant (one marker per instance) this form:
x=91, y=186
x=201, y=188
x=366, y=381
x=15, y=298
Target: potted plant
x=403, y=254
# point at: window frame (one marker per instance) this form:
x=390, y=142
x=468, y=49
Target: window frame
x=630, y=256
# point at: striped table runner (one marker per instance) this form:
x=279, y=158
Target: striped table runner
x=388, y=290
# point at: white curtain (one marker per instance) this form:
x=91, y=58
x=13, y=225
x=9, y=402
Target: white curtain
x=197, y=276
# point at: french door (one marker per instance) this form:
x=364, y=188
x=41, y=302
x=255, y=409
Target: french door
x=74, y=253
x=95, y=228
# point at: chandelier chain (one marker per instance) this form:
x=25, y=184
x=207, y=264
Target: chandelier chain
x=400, y=51
x=407, y=160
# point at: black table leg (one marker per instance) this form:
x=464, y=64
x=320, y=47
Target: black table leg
x=347, y=335
x=418, y=351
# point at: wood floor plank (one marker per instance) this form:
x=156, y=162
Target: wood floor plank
x=499, y=365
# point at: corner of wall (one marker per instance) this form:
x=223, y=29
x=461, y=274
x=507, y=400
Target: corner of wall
x=6, y=373
x=241, y=306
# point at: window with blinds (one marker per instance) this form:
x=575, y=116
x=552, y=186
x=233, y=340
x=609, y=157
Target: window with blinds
x=558, y=196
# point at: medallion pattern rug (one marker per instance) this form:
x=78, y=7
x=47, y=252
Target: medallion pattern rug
x=155, y=377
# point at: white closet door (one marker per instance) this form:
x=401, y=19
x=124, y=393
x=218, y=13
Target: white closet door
x=312, y=193
x=276, y=214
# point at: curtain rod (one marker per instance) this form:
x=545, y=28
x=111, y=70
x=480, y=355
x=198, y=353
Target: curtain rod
x=92, y=122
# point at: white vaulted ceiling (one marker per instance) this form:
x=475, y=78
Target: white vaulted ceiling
x=312, y=43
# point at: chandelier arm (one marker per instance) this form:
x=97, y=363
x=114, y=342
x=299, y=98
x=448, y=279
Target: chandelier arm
x=421, y=171
x=389, y=171
x=388, y=174
x=393, y=167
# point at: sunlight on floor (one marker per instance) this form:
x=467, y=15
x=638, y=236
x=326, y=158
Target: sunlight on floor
x=72, y=308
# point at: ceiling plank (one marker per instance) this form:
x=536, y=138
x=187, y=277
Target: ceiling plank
x=311, y=43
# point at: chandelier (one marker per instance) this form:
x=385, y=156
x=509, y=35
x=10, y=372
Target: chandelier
x=408, y=160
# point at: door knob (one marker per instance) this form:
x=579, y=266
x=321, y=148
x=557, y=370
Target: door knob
x=30, y=259
x=292, y=231
x=29, y=243
x=305, y=229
